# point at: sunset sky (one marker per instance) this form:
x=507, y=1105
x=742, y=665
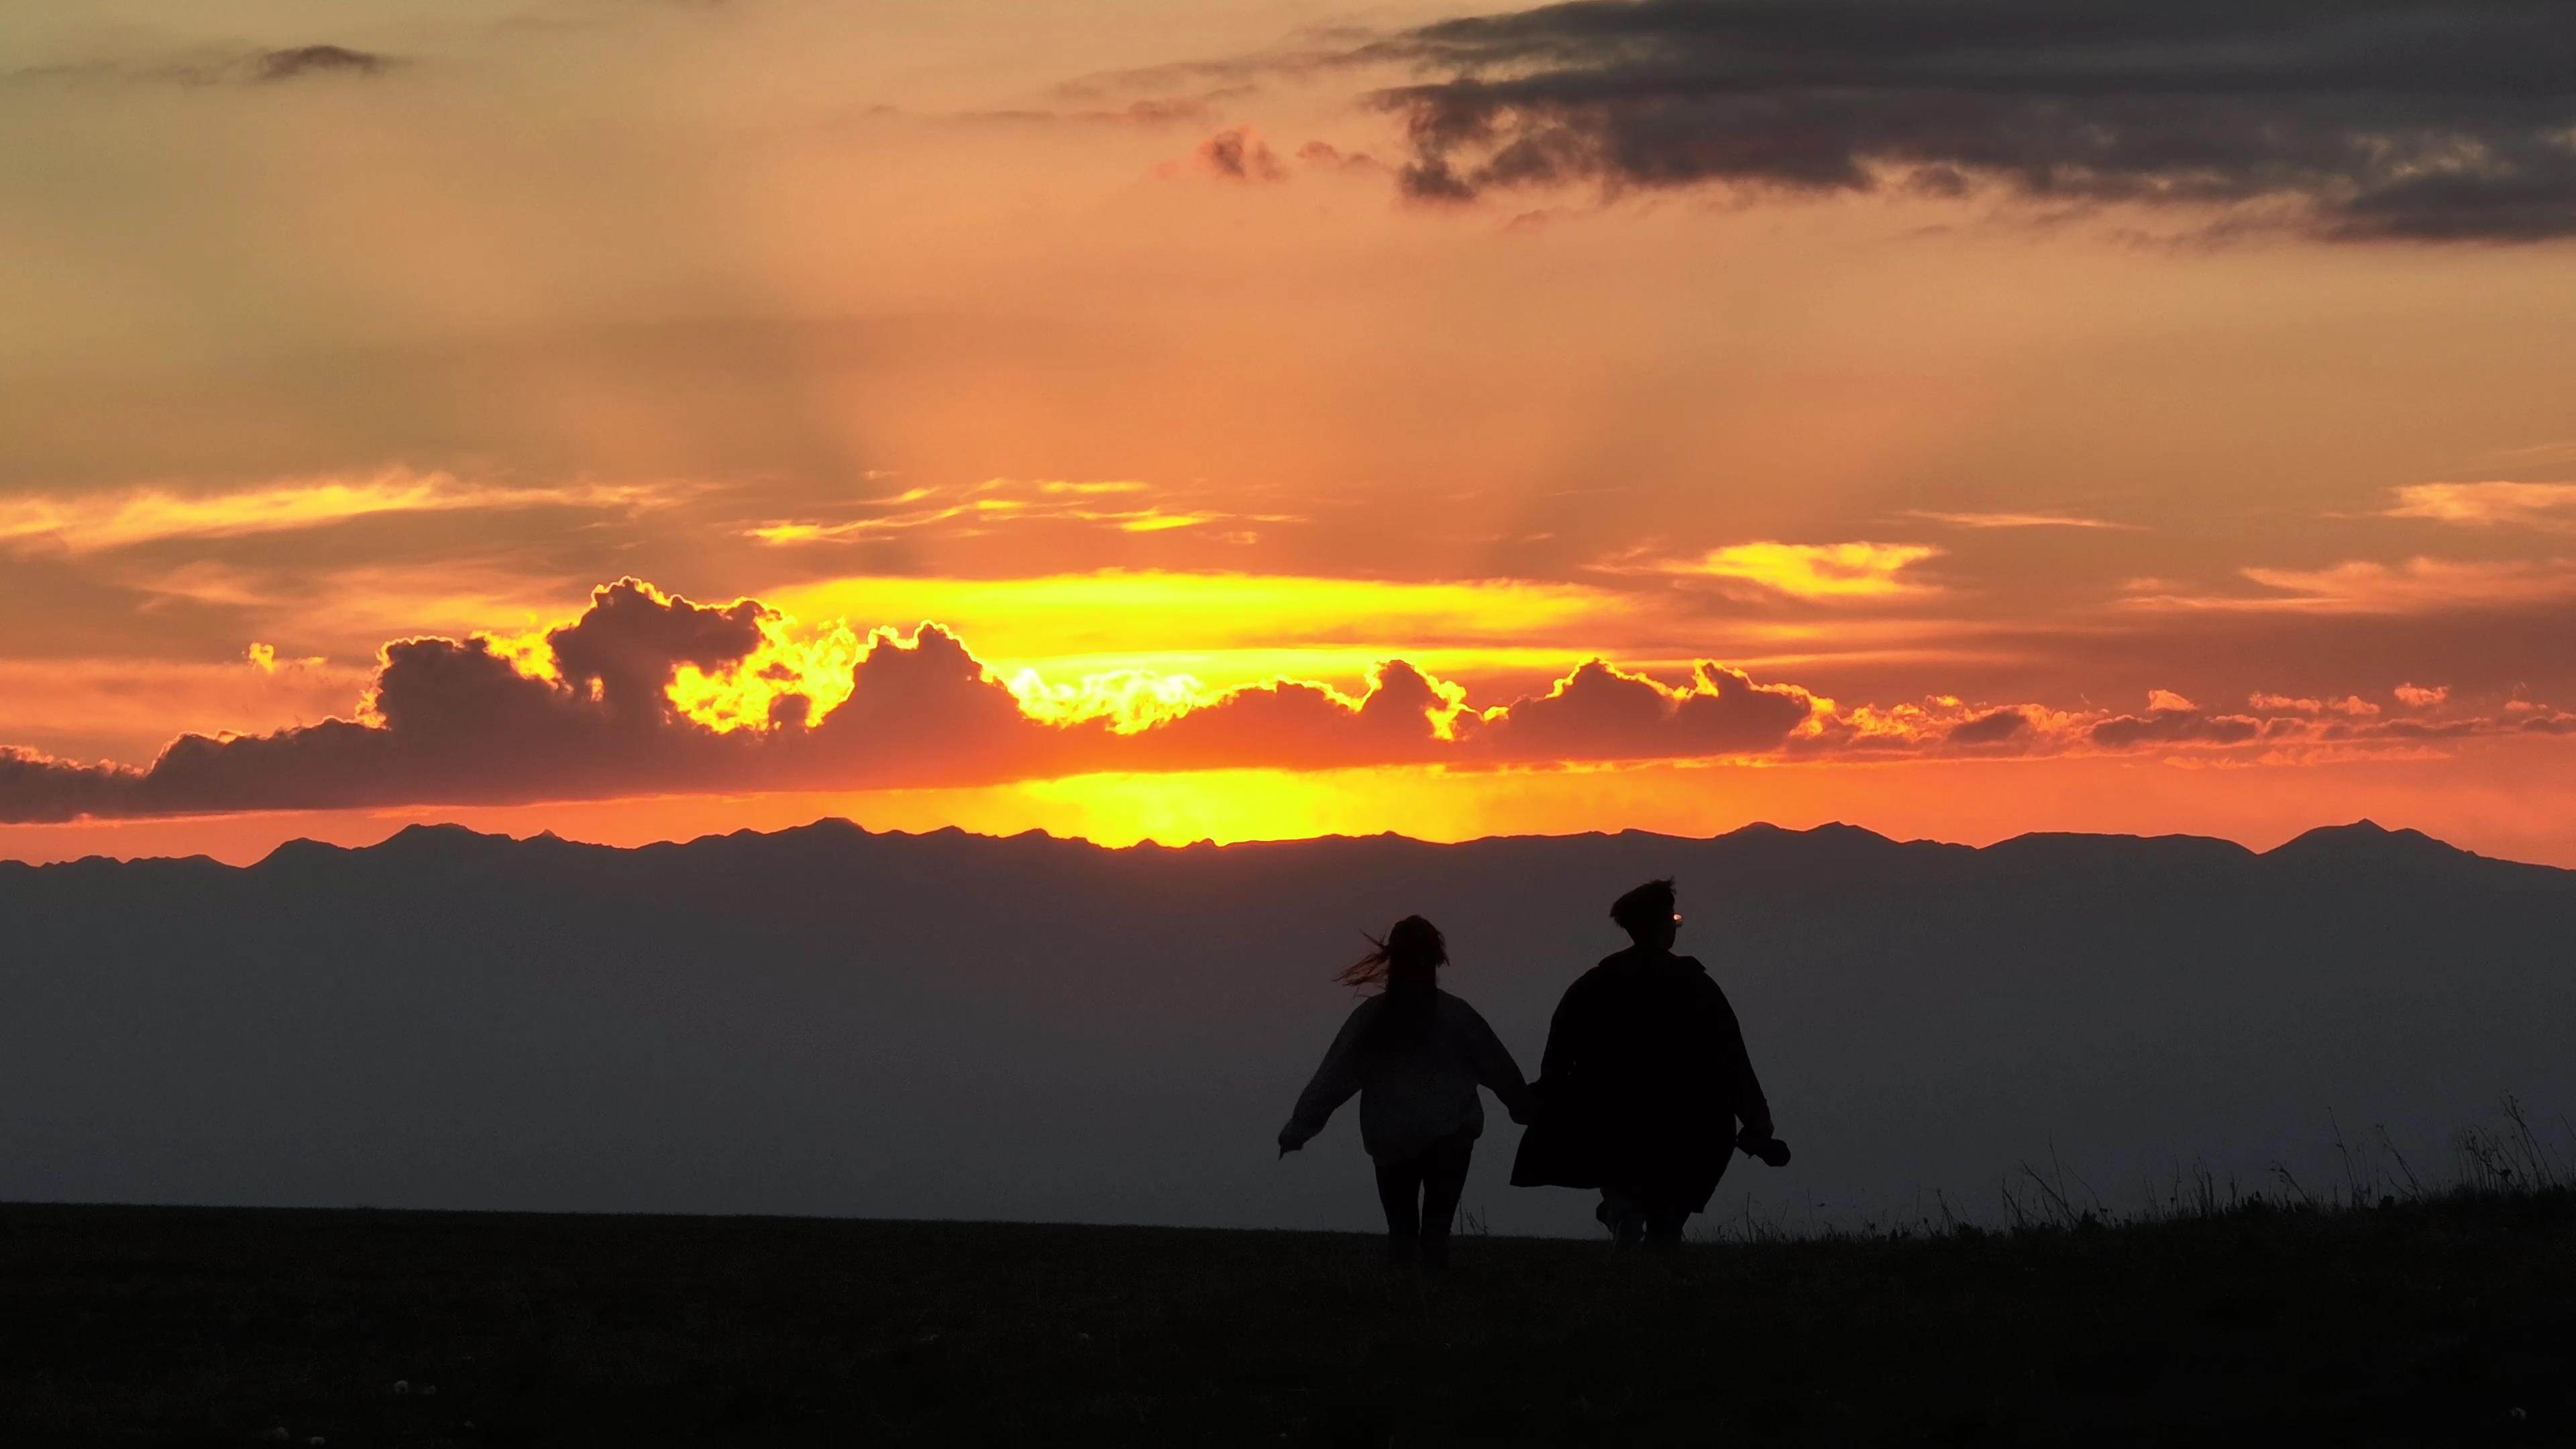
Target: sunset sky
x=1147, y=419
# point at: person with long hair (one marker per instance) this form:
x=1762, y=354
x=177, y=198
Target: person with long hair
x=1415, y=1056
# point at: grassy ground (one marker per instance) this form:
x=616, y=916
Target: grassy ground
x=2426, y=1322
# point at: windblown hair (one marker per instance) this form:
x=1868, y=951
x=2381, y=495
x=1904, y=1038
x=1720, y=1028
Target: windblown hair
x=1406, y=963
x=1640, y=910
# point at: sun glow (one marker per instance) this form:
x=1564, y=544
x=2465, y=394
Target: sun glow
x=527, y=652
x=1050, y=617
x=1132, y=700
x=757, y=691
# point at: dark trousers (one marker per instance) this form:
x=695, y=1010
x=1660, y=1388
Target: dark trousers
x=1650, y=1215
x=1420, y=1194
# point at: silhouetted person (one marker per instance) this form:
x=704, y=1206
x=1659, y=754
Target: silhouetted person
x=1644, y=1082
x=1415, y=1055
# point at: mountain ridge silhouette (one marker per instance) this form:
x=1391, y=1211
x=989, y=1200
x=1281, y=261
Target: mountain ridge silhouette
x=832, y=1020
x=2362, y=839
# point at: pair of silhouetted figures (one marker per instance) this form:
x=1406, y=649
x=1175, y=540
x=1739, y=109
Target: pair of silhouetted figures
x=1645, y=1091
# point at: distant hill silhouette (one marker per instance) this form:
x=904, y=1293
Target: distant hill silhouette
x=827, y=1020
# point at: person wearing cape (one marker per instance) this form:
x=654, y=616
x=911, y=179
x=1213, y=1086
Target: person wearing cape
x=1645, y=1091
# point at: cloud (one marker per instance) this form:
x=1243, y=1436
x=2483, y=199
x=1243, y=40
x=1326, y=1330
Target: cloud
x=1325, y=156
x=1155, y=520
x=90, y=523
x=2172, y=719
x=1403, y=717
x=2014, y=520
x=234, y=67
x=1003, y=501
x=2288, y=725
x=1239, y=154
x=1602, y=713
x=1807, y=570
x=1992, y=727
x=1148, y=113
x=650, y=693
x=2279, y=729
x=2416, y=586
x=2428, y=120
x=2525, y=505
x=582, y=711
x=2351, y=704
x=305, y=60
x=624, y=651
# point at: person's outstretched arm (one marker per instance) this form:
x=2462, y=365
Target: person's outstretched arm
x=1333, y=1084
x=1496, y=1070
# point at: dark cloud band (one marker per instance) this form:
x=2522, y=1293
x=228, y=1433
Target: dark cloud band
x=2377, y=119
x=304, y=60
x=221, y=68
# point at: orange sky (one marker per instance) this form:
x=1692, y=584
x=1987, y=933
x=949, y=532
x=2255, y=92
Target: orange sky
x=1108, y=342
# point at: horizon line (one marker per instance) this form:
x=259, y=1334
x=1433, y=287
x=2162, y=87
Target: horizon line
x=2364, y=827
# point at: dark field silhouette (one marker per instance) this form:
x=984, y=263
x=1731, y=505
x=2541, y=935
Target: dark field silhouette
x=2424, y=1322
x=831, y=1022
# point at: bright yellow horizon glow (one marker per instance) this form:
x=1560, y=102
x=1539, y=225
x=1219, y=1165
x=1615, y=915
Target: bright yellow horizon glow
x=2491, y=800
x=1052, y=616
x=1056, y=638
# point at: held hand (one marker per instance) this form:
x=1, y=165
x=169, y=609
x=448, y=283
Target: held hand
x=1772, y=1151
